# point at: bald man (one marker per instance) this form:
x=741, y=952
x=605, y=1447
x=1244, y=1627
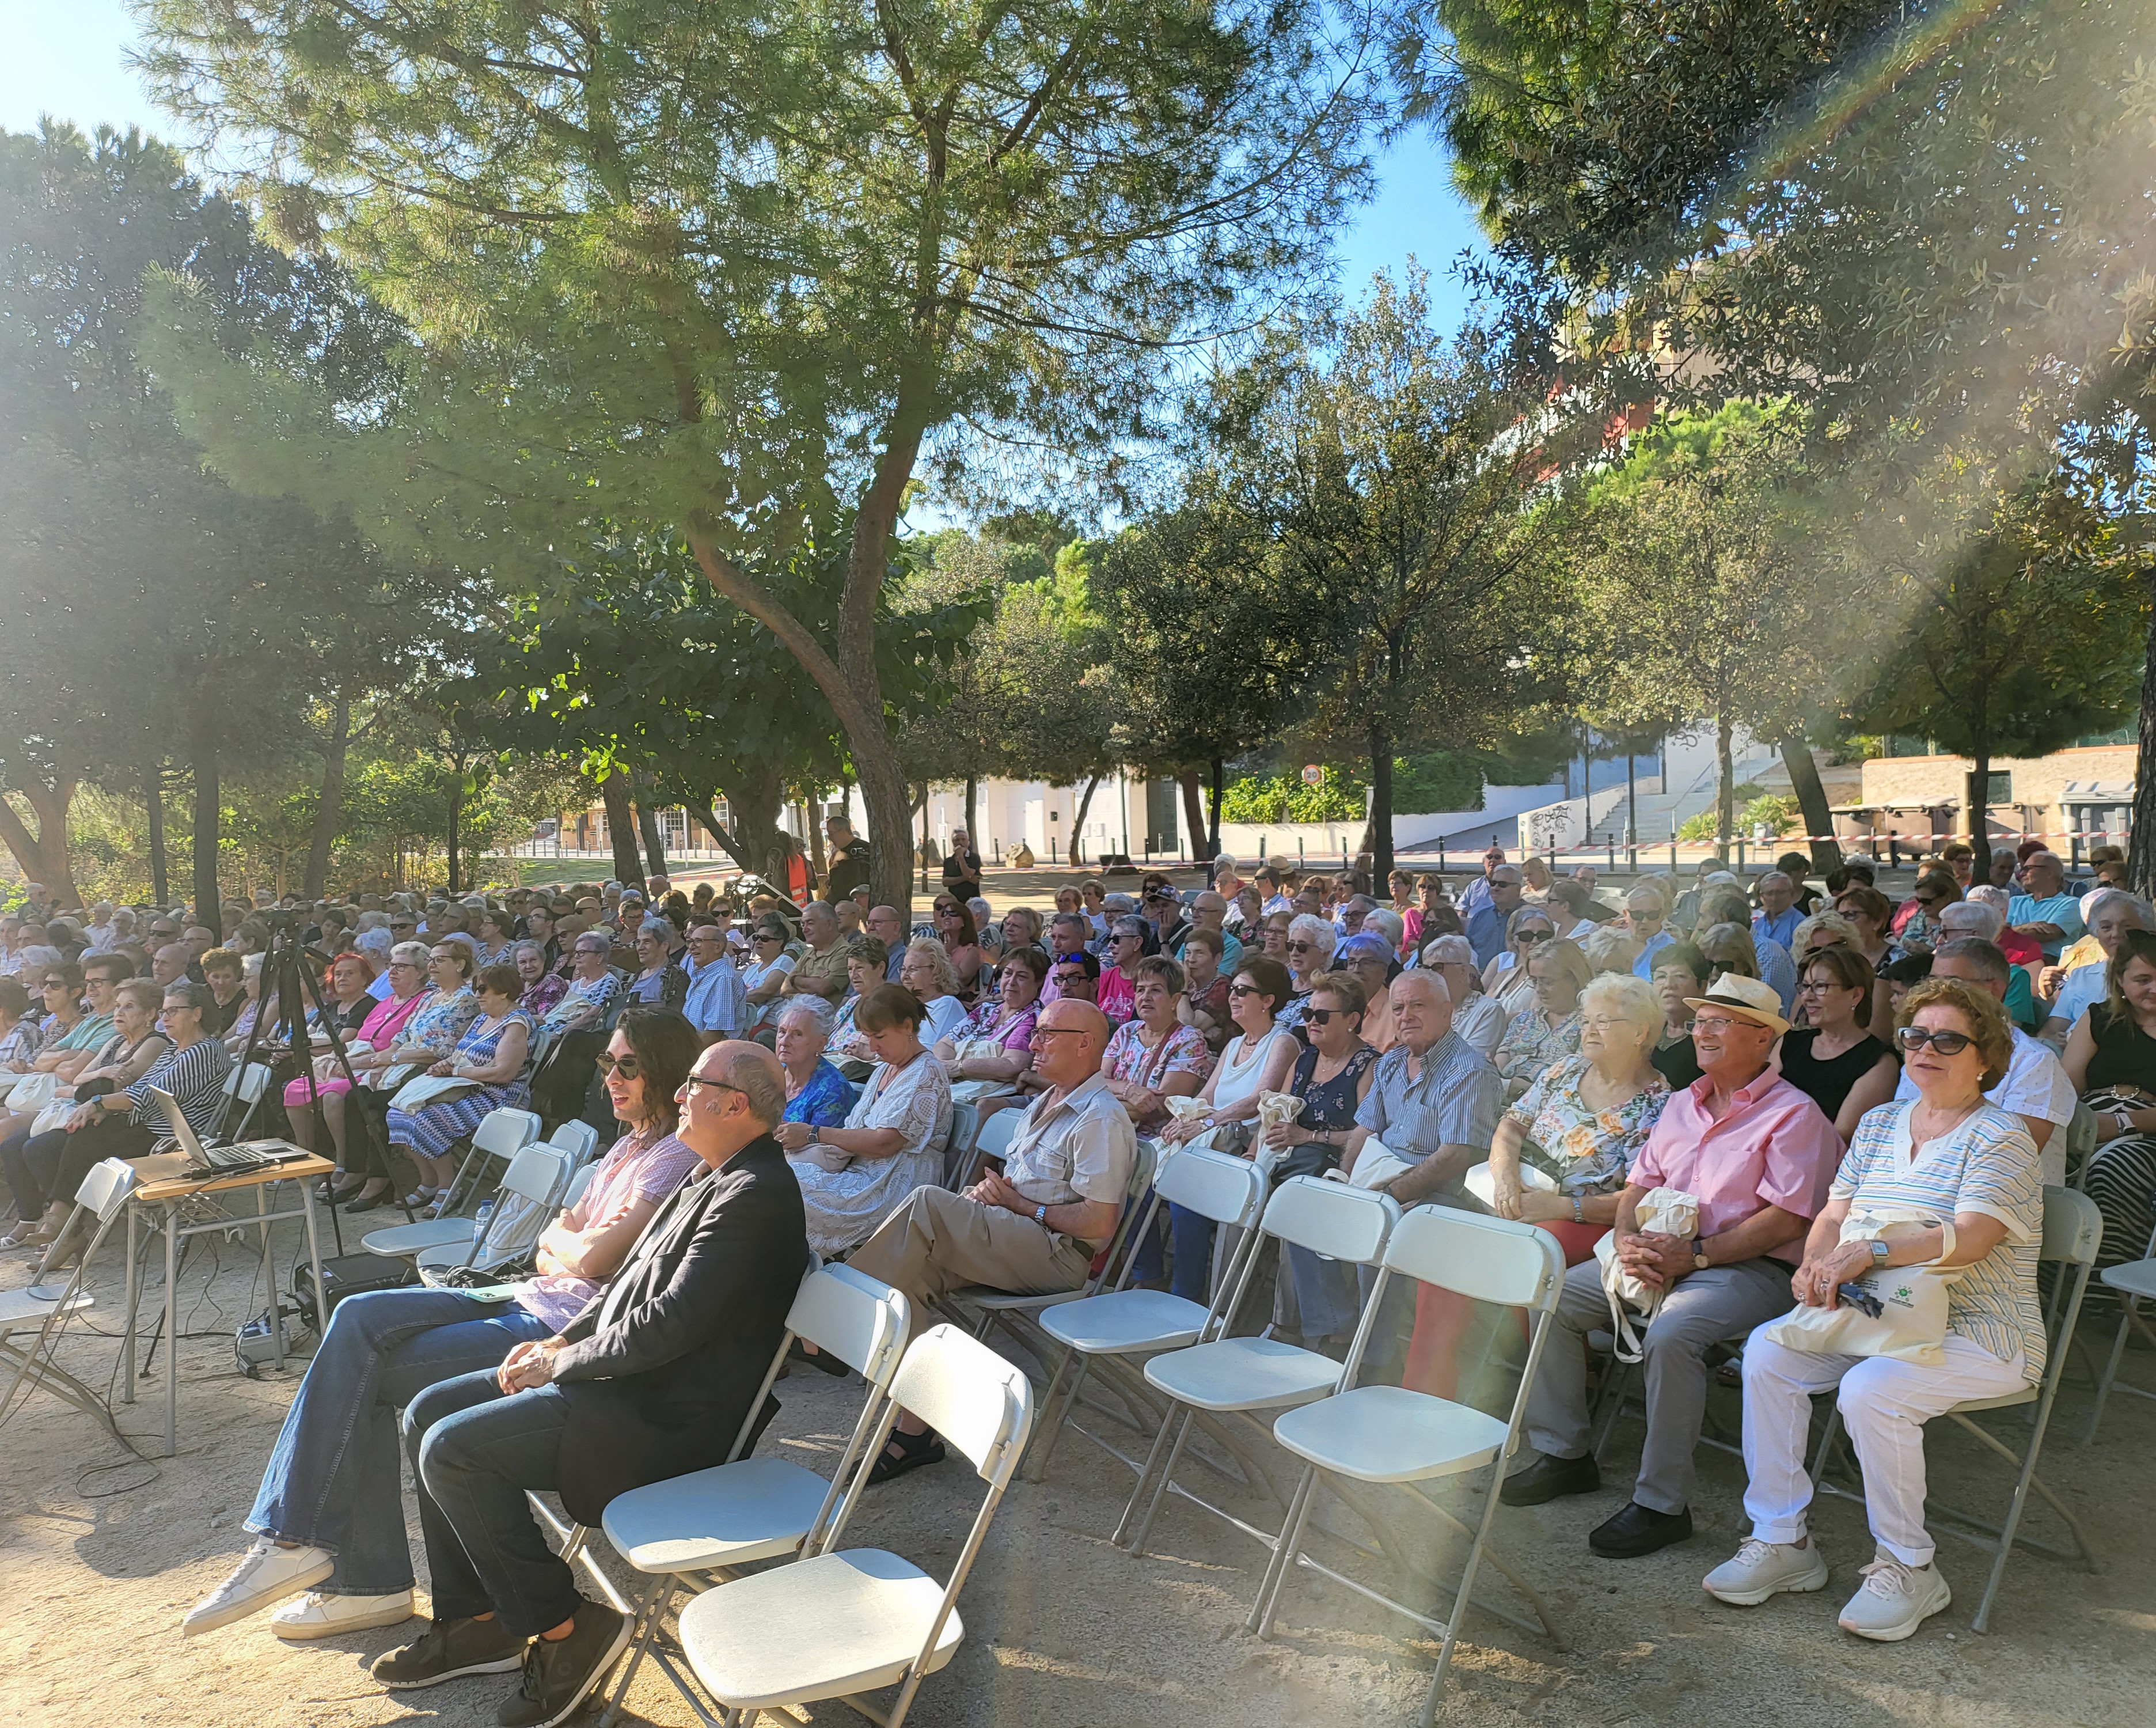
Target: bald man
x=1034, y=1229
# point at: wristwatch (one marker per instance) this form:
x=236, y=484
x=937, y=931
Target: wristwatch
x=1879, y=1254
x=815, y=1135
x=1699, y=1262
x=1041, y=1215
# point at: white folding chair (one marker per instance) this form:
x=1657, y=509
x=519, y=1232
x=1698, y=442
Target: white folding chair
x=244, y=1086
x=1390, y=1435
x=2073, y=1230
x=992, y=1136
x=1245, y=1377
x=30, y=1309
x=579, y=1140
x=503, y=1134
x=525, y=1203
x=579, y=1183
x=2082, y=1135
x=958, y=1148
x=2132, y=1280
x=839, y=1624
x=718, y=1520
x=1115, y=1327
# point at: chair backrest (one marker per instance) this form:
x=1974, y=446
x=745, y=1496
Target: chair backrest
x=1488, y=1259
x=1331, y=1219
x=247, y=1083
x=2073, y=1227
x=979, y=1403
x=578, y=1184
x=505, y=1132
x=1228, y=1190
x=995, y=1136
x=105, y=1189
x=860, y=1320
x=579, y=1140
x=535, y=1174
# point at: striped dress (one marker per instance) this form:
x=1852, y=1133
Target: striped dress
x=194, y=1077
x=432, y=1130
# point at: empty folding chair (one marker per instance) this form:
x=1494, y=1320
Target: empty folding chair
x=1115, y=1327
x=718, y=1520
x=992, y=1138
x=525, y=1204
x=958, y=1148
x=2132, y=1280
x=841, y=1624
x=1246, y=1378
x=244, y=1087
x=579, y=1140
x=31, y=1319
x=2073, y=1230
x=502, y=1134
x=1389, y=1435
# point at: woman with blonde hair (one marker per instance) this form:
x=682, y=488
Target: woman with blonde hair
x=1546, y=1030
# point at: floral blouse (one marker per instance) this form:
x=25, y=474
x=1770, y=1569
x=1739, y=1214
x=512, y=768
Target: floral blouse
x=1182, y=1051
x=1016, y=1034
x=824, y=1100
x=1584, y=1150
x=440, y=1024
x=1530, y=1043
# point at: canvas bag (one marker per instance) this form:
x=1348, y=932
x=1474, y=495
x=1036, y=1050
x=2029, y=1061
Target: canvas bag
x=1912, y=1324
x=1665, y=1212
x=33, y=1092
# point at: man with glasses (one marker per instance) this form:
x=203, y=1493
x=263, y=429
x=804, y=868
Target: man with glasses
x=1759, y=1156
x=1777, y=916
x=1479, y=893
x=1068, y=932
x=717, y=1005
x=1487, y=921
x=1034, y=1229
x=888, y=928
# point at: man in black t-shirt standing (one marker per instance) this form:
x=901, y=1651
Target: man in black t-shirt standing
x=850, y=860
x=961, y=866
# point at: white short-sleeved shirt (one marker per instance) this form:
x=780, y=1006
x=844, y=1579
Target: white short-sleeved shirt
x=2035, y=1085
x=947, y=1019
x=1080, y=1146
x=1987, y=1164
x=2083, y=988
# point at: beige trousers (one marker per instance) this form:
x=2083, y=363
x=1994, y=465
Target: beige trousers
x=936, y=1242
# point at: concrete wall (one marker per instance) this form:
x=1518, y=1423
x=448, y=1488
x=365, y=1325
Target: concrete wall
x=2038, y=803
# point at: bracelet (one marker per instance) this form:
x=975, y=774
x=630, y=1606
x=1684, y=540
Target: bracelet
x=1578, y=1211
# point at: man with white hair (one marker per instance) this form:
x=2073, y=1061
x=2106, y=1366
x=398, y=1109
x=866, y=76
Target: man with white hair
x=1777, y=916
x=98, y=931
x=2044, y=909
x=1434, y=1099
x=2109, y=914
x=1226, y=883
x=1974, y=918
x=1209, y=911
x=1478, y=1019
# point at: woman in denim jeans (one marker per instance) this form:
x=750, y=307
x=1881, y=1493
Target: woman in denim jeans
x=328, y=1519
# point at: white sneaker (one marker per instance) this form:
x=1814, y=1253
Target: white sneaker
x=1761, y=1569
x=1895, y=1601
x=267, y=1576
x=316, y=1615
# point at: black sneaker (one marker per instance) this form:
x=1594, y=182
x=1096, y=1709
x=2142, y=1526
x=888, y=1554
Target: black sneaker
x=1548, y=1477
x=450, y=1649
x=558, y=1677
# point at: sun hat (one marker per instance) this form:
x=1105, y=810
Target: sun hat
x=1747, y=996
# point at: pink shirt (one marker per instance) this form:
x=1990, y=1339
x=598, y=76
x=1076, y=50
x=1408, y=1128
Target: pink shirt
x=1773, y=1148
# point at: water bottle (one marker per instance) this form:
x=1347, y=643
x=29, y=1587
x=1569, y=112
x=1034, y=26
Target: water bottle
x=479, y=1218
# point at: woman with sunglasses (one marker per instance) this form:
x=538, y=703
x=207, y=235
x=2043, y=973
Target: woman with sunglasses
x=1117, y=994
x=1963, y=1173
x=1506, y=980
x=328, y=1514
x=2111, y=1059
x=1548, y=1029
x=770, y=965
x=1832, y=1058
x=961, y=939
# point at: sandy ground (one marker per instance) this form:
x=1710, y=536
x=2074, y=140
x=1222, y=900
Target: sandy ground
x=97, y=1564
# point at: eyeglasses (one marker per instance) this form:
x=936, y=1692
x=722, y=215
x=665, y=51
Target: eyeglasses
x=1716, y=1024
x=1915, y=1037
x=1051, y=1031
x=1602, y=1022
x=1324, y=1016
x=694, y=1081
x=626, y=1065
x=1816, y=986
x=1067, y=977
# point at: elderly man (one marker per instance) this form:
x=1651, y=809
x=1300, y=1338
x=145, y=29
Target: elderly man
x=1777, y=916
x=1480, y=892
x=822, y=971
x=1226, y=883
x=2109, y=913
x=1646, y=919
x=169, y=964
x=2044, y=909
x=1034, y=1228
x=1486, y=924
x=1209, y=911
x=717, y=1002
x=1964, y=920
x=653, y=1379
x=1759, y=1156
x=888, y=928
x=1478, y=1020
x=1433, y=1098
x=2035, y=1087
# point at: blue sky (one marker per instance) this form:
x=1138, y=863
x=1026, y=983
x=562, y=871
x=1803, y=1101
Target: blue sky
x=64, y=60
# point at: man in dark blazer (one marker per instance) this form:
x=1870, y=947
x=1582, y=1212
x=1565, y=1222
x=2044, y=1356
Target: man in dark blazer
x=652, y=1380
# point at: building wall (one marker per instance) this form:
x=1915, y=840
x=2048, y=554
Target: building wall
x=2035, y=790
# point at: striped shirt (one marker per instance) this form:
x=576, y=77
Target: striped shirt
x=1986, y=1164
x=195, y=1077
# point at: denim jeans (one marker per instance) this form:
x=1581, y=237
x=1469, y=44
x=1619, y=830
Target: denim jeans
x=333, y=1477
x=1191, y=1275
x=474, y=1451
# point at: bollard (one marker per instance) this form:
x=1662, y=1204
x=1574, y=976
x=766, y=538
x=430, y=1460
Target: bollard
x=1612, y=839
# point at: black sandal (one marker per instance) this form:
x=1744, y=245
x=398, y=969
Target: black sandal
x=914, y=1450
x=822, y=1360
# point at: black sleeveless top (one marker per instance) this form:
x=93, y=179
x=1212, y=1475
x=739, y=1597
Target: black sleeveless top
x=1827, y=1083
x=2125, y=1055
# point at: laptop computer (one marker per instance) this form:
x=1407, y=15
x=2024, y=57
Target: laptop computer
x=220, y=1160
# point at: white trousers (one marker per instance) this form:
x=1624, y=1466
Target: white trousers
x=1884, y=1403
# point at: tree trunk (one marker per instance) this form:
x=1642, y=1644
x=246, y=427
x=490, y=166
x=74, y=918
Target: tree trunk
x=1632, y=809
x=330, y=809
x=1811, y=801
x=208, y=908
x=654, y=845
x=153, y=799
x=752, y=800
x=2141, y=843
x=621, y=828
x=707, y=818
x=1193, y=809
x=455, y=840
x=1725, y=794
x=1381, y=808
x=1976, y=799
x=43, y=855
x=973, y=799
x=1213, y=813
x=1078, y=821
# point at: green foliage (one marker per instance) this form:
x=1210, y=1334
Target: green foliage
x=1284, y=797
x=1770, y=811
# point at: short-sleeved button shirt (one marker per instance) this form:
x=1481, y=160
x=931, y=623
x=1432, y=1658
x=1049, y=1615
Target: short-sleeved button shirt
x=1772, y=1148
x=1080, y=1146
x=1454, y=1101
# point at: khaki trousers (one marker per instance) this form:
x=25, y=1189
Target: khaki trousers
x=936, y=1242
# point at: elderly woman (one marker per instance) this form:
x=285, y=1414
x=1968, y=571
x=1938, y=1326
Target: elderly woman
x=543, y=989
x=2109, y=913
x=1729, y=947
x=892, y=1140
x=1609, y=949
x=328, y=1499
x=1204, y=1003
x=1584, y=1118
x=18, y=1028
x=1415, y=932
x=1006, y=1018
x=1834, y=1059
x=1506, y=978
x=433, y=1033
x=2111, y=1059
x=381, y=1031
x=1680, y=972
x=659, y=982
x=961, y=937
x=868, y=963
x=926, y=971
x=1311, y=941
x=1154, y=1055
x=492, y=1047
x=1960, y=1176
x=1129, y=935
x=817, y=1094
x=1368, y=959
x=1547, y=1030
x=763, y=978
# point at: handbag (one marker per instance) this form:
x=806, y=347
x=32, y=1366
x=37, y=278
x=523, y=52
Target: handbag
x=1910, y=1324
x=1664, y=1212
x=53, y=1116
x=1481, y=1182
x=33, y=1092
x=430, y=1089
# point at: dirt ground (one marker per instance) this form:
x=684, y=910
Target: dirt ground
x=100, y=1555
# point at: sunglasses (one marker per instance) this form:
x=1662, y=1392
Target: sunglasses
x=627, y=1066
x=1325, y=1016
x=1915, y=1037
x=1244, y=989
x=1531, y=936
x=1300, y=947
